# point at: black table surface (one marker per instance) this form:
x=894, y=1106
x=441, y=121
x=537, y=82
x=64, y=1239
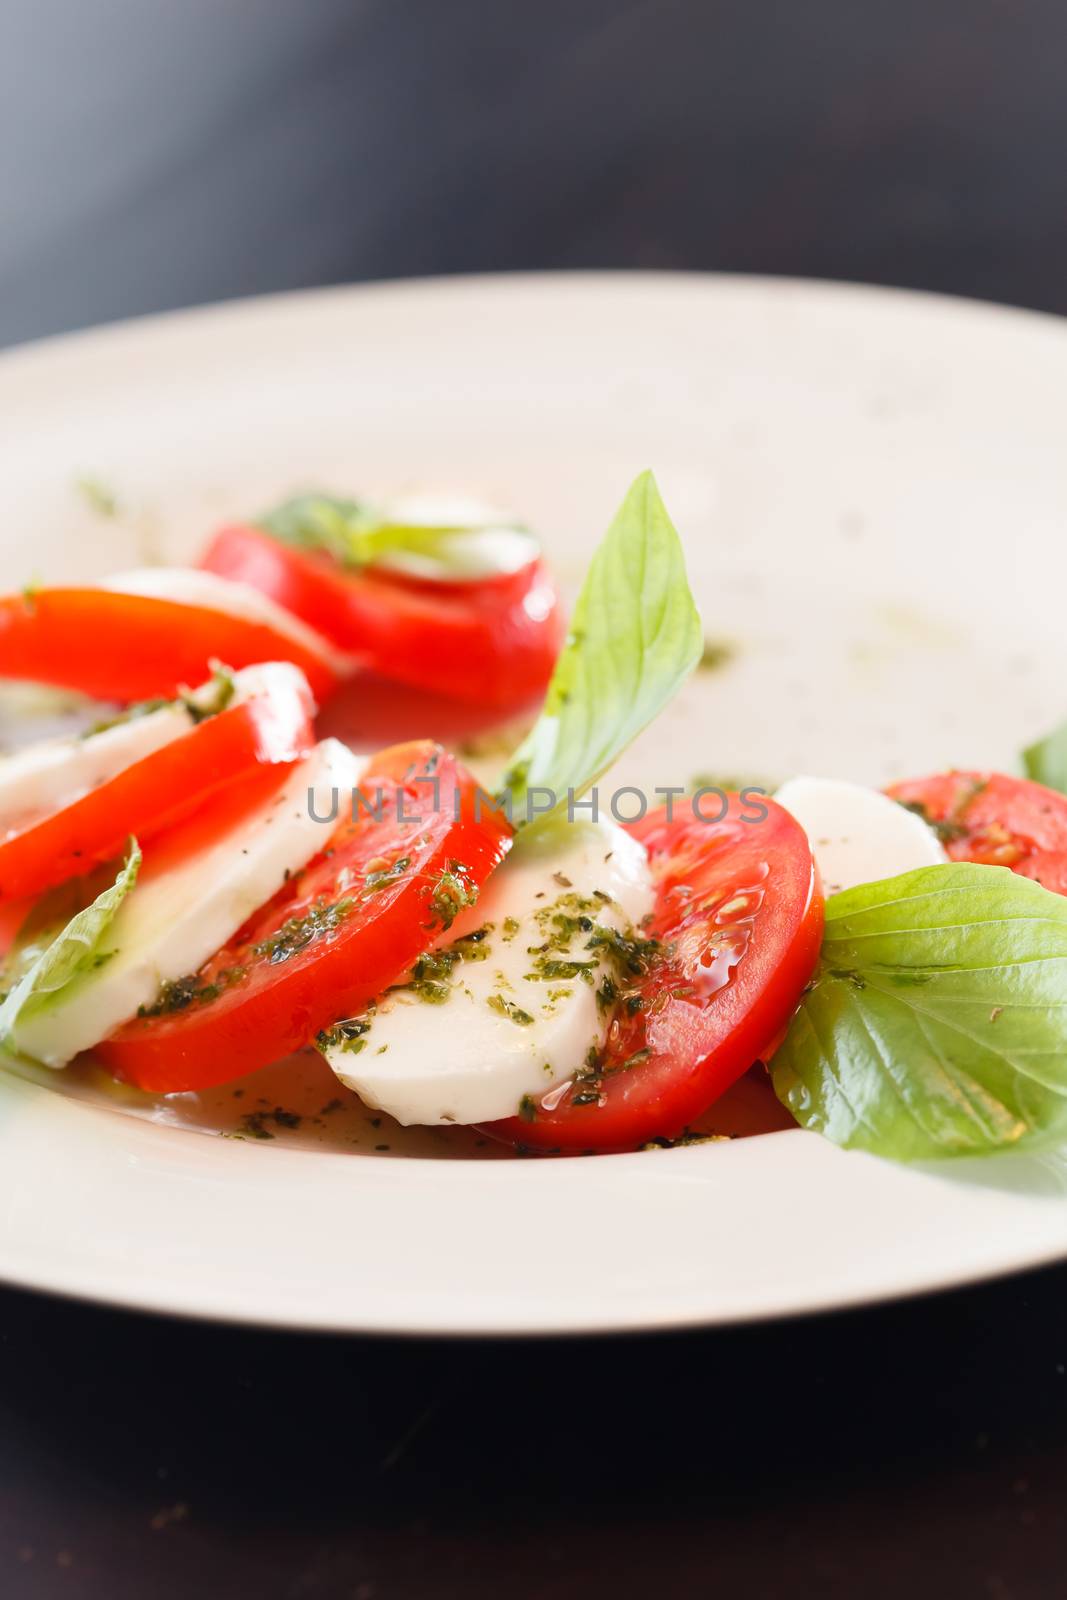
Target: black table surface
x=161, y=155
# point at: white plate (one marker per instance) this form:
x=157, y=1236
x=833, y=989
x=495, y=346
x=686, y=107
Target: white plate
x=873, y=489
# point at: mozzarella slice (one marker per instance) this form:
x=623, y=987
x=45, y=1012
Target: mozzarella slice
x=43, y=778
x=499, y=1031
x=489, y=545
x=858, y=835
x=178, y=916
x=191, y=587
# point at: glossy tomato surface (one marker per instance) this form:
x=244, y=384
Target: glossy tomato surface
x=118, y=646
x=271, y=729
x=494, y=641
x=336, y=936
x=996, y=820
x=737, y=926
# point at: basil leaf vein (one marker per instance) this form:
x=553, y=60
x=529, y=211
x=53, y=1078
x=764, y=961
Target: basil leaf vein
x=936, y=1023
x=74, y=952
x=634, y=638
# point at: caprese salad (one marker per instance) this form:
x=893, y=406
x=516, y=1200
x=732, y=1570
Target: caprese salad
x=196, y=886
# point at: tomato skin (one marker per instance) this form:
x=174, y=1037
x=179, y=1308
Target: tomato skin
x=279, y=1005
x=493, y=642
x=152, y=794
x=759, y=896
x=118, y=646
x=996, y=820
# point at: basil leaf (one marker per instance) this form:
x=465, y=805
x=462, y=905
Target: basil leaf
x=213, y=698
x=323, y=522
x=635, y=636
x=209, y=700
x=357, y=534
x=936, y=1024
x=1046, y=761
x=74, y=952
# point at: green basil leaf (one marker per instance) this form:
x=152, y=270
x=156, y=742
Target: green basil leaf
x=74, y=952
x=209, y=700
x=936, y=1024
x=212, y=699
x=1046, y=761
x=323, y=522
x=635, y=637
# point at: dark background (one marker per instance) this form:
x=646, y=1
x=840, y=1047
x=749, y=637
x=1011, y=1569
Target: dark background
x=158, y=154
x=155, y=155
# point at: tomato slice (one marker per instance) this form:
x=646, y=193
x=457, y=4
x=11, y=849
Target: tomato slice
x=739, y=910
x=273, y=728
x=119, y=646
x=996, y=820
x=339, y=933
x=493, y=641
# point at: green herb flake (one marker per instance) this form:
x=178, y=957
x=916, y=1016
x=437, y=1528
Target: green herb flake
x=508, y=1008
x=380, y=874
x=176, y=994
x=946, y=829
x=349, y=1035
x=132, y=713
x=716, y=653
x=637, y=1059
x=551, y=969
x=98, y=496
x=629, y=954
x=475, y=946
x=252, y=1127
x=687, y=1136
x=297, y=933
x=431, y=976
x=607, y=994
x=454, y=890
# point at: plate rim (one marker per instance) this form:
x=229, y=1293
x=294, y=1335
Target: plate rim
x=151, y=322
x=101, y=339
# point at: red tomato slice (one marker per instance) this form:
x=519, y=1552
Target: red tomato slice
x=149, y=796
x=995, y=820
x=494, y=642
x=740, y=911
x=118, y=646
x=338, y=934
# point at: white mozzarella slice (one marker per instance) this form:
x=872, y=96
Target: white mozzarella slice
x=858, y=835
x=42, y=778
x=490, y=545
x=503, y=1033
x=191, y=587
x=178, y=916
